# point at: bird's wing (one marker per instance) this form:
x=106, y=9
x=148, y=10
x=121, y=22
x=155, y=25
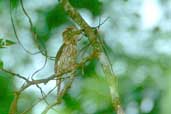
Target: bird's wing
x=58, y=55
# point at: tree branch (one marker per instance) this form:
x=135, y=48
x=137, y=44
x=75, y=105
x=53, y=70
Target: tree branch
x=93, y=37
x=13, y=107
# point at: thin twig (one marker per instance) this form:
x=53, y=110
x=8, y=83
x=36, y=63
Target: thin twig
x=44, y=97
x=14, y=74
x=16, y=35
x=13, y=108
x=61, y=94
x=35, y=36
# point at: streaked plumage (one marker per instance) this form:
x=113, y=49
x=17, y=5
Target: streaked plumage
x=67, y=54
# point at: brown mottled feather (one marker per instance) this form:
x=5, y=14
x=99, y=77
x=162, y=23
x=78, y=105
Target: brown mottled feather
x=66, y=56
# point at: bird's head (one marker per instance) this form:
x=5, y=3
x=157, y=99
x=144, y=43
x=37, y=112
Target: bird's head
x=70, y=34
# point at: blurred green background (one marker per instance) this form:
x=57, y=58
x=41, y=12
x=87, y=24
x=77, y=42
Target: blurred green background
x=138, y=41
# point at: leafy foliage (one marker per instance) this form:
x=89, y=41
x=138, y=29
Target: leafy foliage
x=14, y=3
x=1, y=64
x=94, y=6
x=6, y=94
x=5, y=43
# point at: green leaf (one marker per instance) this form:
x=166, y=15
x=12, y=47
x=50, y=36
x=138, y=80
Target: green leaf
x=4, y=43
x=94, y=6
x=1, y=64
x=9, y=43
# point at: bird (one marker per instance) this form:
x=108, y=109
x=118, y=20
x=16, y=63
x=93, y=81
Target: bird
x=65, y=59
